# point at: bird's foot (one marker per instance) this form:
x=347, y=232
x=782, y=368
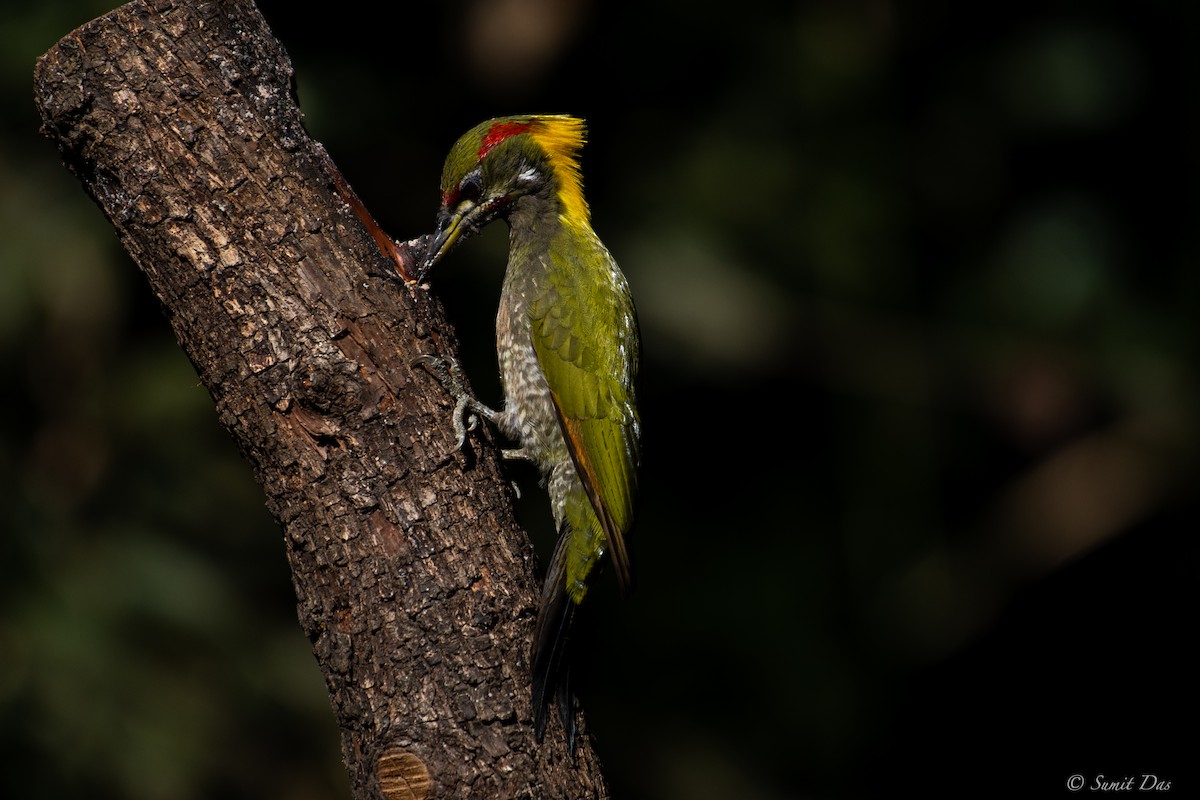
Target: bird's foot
x=467, y=410
x=521, y=454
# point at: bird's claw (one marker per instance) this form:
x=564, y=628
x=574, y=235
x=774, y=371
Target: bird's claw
x=467, y=409
x=463, y=420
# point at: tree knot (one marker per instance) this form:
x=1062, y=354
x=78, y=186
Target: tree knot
x=401, y=775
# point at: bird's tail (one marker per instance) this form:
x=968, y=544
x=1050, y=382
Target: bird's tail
x=551, y=663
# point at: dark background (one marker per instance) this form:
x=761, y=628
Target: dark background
x=918, y=290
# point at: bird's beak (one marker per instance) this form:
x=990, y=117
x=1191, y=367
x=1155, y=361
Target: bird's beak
x=450, y=228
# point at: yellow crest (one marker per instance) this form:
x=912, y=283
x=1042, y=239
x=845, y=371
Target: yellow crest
x=562, y=137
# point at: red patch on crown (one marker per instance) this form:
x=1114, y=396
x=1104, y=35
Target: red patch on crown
x=499, y=132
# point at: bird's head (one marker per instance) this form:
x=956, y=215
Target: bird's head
x=498, y=162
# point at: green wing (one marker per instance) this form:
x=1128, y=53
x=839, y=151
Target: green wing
x=586, y=338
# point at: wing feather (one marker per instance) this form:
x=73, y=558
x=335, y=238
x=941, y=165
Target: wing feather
x=585, y=335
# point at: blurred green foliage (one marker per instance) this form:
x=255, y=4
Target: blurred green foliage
x=918, y=291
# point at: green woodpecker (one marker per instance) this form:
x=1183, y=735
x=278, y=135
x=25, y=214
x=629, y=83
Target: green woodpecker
x=567, y=341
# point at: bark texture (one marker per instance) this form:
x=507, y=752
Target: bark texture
x=414, y=582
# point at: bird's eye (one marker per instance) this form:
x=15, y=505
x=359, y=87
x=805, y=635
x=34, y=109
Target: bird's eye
x=471, y=187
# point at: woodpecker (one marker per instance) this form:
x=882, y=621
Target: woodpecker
x=568, y=346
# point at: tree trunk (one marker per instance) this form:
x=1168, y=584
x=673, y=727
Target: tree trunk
x=414, y=582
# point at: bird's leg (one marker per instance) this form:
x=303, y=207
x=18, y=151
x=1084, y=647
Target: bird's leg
x=467, y=409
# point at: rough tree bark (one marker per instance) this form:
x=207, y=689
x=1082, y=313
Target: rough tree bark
x=414, y=582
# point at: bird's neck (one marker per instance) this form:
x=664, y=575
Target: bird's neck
x=535, y=220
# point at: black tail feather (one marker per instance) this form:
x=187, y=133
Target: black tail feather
x=551, y=662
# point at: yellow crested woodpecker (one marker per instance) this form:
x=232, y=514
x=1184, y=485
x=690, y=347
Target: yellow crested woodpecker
x=567, y=341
